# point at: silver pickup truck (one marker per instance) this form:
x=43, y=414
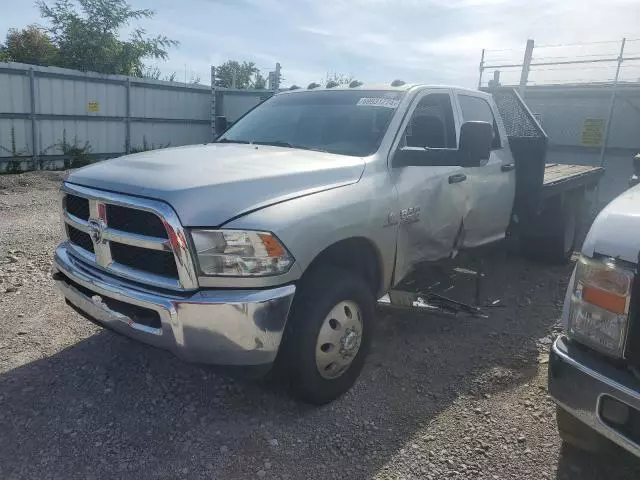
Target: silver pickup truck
x=272, y=244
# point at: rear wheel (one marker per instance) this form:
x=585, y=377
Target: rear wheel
x=328, y=334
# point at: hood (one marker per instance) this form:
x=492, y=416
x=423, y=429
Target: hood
x=616, y=230
x=208, y=185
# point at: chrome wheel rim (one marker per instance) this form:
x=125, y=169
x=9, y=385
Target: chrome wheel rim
x=339, y=339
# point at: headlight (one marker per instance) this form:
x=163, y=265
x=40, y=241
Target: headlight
x=237, y=253
x=600, y=304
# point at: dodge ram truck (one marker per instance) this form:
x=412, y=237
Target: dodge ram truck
x=270, y=246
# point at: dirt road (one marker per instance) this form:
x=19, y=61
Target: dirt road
x=438, y=398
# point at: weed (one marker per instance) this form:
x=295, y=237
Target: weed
x=146, y=147
x=15, y=164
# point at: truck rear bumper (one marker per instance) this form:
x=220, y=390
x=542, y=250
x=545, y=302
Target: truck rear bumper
x=225, y=327
x=580, y=383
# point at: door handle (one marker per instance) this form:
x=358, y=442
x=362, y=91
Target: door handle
x=457, y=178
x=508, y=167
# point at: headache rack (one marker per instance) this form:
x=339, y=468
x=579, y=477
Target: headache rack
x=536, y=180
x=528, y=142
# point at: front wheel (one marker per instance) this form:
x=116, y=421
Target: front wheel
x=328, y=334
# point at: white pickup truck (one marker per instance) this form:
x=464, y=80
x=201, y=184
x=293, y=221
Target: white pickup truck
x=272, y=244
x=594, y=368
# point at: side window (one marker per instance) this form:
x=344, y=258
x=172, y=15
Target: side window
x=474, y=108
x=432, y=124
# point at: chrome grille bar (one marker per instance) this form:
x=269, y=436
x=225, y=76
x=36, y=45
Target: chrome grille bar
x=113, y=235
x=102, y=236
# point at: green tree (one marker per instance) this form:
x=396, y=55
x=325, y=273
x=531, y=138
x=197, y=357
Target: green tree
x=243, y=72
x=29, y=45
x=335, y=79
x=154, y=73
x=259, y=82
x=87, y=37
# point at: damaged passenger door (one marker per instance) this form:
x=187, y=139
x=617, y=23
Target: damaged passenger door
x=429, y=182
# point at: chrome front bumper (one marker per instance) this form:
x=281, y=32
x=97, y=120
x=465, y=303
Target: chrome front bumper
x=579, y=381
x=225, y=327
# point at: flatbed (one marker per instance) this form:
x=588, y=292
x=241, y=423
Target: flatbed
x=559, y=177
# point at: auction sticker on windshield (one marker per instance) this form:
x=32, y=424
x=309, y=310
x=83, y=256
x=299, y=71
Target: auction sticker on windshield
x=378, y=102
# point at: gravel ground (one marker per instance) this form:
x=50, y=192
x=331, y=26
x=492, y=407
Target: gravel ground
x=439, y=397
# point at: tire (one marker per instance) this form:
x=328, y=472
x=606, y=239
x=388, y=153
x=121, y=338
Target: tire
x=323, y=291
x=575, y=433
x=558, y=225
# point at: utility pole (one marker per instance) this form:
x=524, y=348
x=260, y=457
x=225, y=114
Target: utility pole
x=274, y=78
x=277, y=77
x=526, y=66
x=271, y=82
x=496, y=79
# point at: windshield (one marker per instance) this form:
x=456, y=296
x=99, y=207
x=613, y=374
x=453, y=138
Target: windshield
x=346, y=122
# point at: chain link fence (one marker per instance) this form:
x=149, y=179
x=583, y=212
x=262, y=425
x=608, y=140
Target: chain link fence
x=585, y=95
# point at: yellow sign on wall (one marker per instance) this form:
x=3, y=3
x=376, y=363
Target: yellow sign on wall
x=592, y=132
x=93, y=107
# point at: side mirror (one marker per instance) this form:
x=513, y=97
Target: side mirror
x=221, y=125
x=475, y=143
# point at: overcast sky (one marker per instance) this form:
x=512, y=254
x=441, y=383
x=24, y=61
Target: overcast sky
x=434, y=41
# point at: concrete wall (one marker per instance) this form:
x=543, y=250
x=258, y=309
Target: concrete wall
x=574, y=116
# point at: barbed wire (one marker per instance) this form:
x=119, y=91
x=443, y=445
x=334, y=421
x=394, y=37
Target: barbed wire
x=563, y=68
x=601, y=42
x=569, y=57
x=595, y=65
x=487, y=50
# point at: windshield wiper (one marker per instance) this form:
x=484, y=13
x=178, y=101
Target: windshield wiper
x=276, y=143
x=224, y=140
x=280, y=143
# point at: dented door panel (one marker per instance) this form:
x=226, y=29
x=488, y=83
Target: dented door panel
x=434, y=200
x=434, y=233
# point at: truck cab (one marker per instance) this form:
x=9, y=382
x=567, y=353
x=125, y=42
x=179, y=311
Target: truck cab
x=269, y=247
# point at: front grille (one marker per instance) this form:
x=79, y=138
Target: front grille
x=81, y=239
x=152, y=261
x=77, y=206
x=110, y=226
x=135, y=221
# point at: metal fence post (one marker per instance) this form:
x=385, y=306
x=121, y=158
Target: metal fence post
x=32, y=117
x=526, y=66
x=213, y=102
x=127, y=140
x=481, y=69
x=614, y=91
